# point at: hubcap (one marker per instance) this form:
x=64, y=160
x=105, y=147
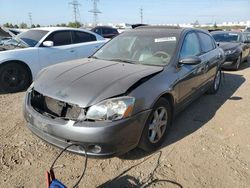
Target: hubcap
x=217, y=80
x=158, y=125
x=12, y=77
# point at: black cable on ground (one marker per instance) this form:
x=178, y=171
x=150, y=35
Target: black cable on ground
x=85, y=163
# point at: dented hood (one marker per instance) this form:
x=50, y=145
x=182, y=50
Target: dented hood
x=88, y=81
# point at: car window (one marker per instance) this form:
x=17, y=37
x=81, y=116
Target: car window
x=191, y=46
x=60, y=38
x=106, y=31
x=79, y=37
x=207, y=43
x=114, y=31
x=98, y=31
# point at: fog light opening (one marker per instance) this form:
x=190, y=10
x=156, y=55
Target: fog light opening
x=94, y=148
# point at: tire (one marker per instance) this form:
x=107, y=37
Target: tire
x=216, y=83
x=148, y=141
x=238, y=62
x=14, y=77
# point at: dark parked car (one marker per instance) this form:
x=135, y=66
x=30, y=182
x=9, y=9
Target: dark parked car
x=105, y=31
x=235, y=45
x=127, y=93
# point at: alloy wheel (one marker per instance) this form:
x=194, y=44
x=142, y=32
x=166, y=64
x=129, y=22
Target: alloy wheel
x=158, y=125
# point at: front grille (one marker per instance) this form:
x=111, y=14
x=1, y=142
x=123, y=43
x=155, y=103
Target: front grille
x=54, y=108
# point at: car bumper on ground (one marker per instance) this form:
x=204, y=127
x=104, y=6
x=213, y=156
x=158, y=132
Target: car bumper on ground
x=102, y=139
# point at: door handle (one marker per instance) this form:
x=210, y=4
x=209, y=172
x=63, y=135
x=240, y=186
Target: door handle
x=72, y=51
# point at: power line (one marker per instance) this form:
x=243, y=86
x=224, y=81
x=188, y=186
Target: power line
x=95, y=12
x=76, y=12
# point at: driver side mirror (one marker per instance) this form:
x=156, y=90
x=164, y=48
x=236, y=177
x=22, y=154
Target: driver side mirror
x=48, y=43
x=192, y=60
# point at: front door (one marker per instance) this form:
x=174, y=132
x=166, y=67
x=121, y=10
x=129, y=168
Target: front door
x=61, y=51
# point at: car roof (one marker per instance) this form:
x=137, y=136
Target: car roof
x=168, y=29
x=59, y=29
x=221, y=32
x=109, y=27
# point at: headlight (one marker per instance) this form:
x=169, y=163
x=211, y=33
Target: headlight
x=112, y=109
x=228, y=52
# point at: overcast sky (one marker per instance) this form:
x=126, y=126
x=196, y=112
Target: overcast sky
x=46, y=12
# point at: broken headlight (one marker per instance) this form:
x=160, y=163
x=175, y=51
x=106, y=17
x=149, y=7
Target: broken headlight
x=111, y=109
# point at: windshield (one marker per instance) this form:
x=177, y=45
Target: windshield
x=32, y=37
x=226, y=37
x=141, y=47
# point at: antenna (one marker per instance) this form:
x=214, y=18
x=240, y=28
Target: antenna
x=141, y=14
x=95, y=12
x=75, y=6
x=30, y=18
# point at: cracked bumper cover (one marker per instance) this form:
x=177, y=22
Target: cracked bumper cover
x=114, y=138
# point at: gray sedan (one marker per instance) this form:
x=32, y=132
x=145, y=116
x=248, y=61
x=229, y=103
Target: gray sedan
x=126, y=94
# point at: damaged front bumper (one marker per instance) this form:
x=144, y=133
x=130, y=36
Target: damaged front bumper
x=101, y=138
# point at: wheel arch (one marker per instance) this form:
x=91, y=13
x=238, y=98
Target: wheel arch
x=170, y=98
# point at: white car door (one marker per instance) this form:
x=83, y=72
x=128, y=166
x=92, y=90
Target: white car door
x=62, y=49
x=85, y=44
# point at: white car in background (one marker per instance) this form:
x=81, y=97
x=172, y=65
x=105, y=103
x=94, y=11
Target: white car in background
x=23, y=56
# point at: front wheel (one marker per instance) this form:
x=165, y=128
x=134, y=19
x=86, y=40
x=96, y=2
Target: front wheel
x=156, y=126
x=216, y=83
x=14, y=77
x=238, y=62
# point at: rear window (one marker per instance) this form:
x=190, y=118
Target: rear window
x=79, y=37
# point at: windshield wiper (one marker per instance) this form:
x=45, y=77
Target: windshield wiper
x=124, y=60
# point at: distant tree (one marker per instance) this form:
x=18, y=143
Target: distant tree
x=6, y=25
x=23, y=25
x=33, y=26
x=16, y=26
x=63, y=25
x=74, y=24
x=11, y=26
x=37, y=25
x=215, y=25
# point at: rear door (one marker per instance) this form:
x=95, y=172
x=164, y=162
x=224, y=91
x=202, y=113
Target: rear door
x=85, y=44
x=210, y=56
x=191, y=76
x=60, y=52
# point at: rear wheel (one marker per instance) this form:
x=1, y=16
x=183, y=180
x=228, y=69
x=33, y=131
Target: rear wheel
x=156, y=126
x=14, y=77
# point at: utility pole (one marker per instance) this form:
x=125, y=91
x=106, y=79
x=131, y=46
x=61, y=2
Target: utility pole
x=141, y=14
x=76, y=12
x=95, y=12
x=30, y=18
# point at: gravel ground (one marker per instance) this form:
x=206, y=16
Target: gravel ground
x=208, y=146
